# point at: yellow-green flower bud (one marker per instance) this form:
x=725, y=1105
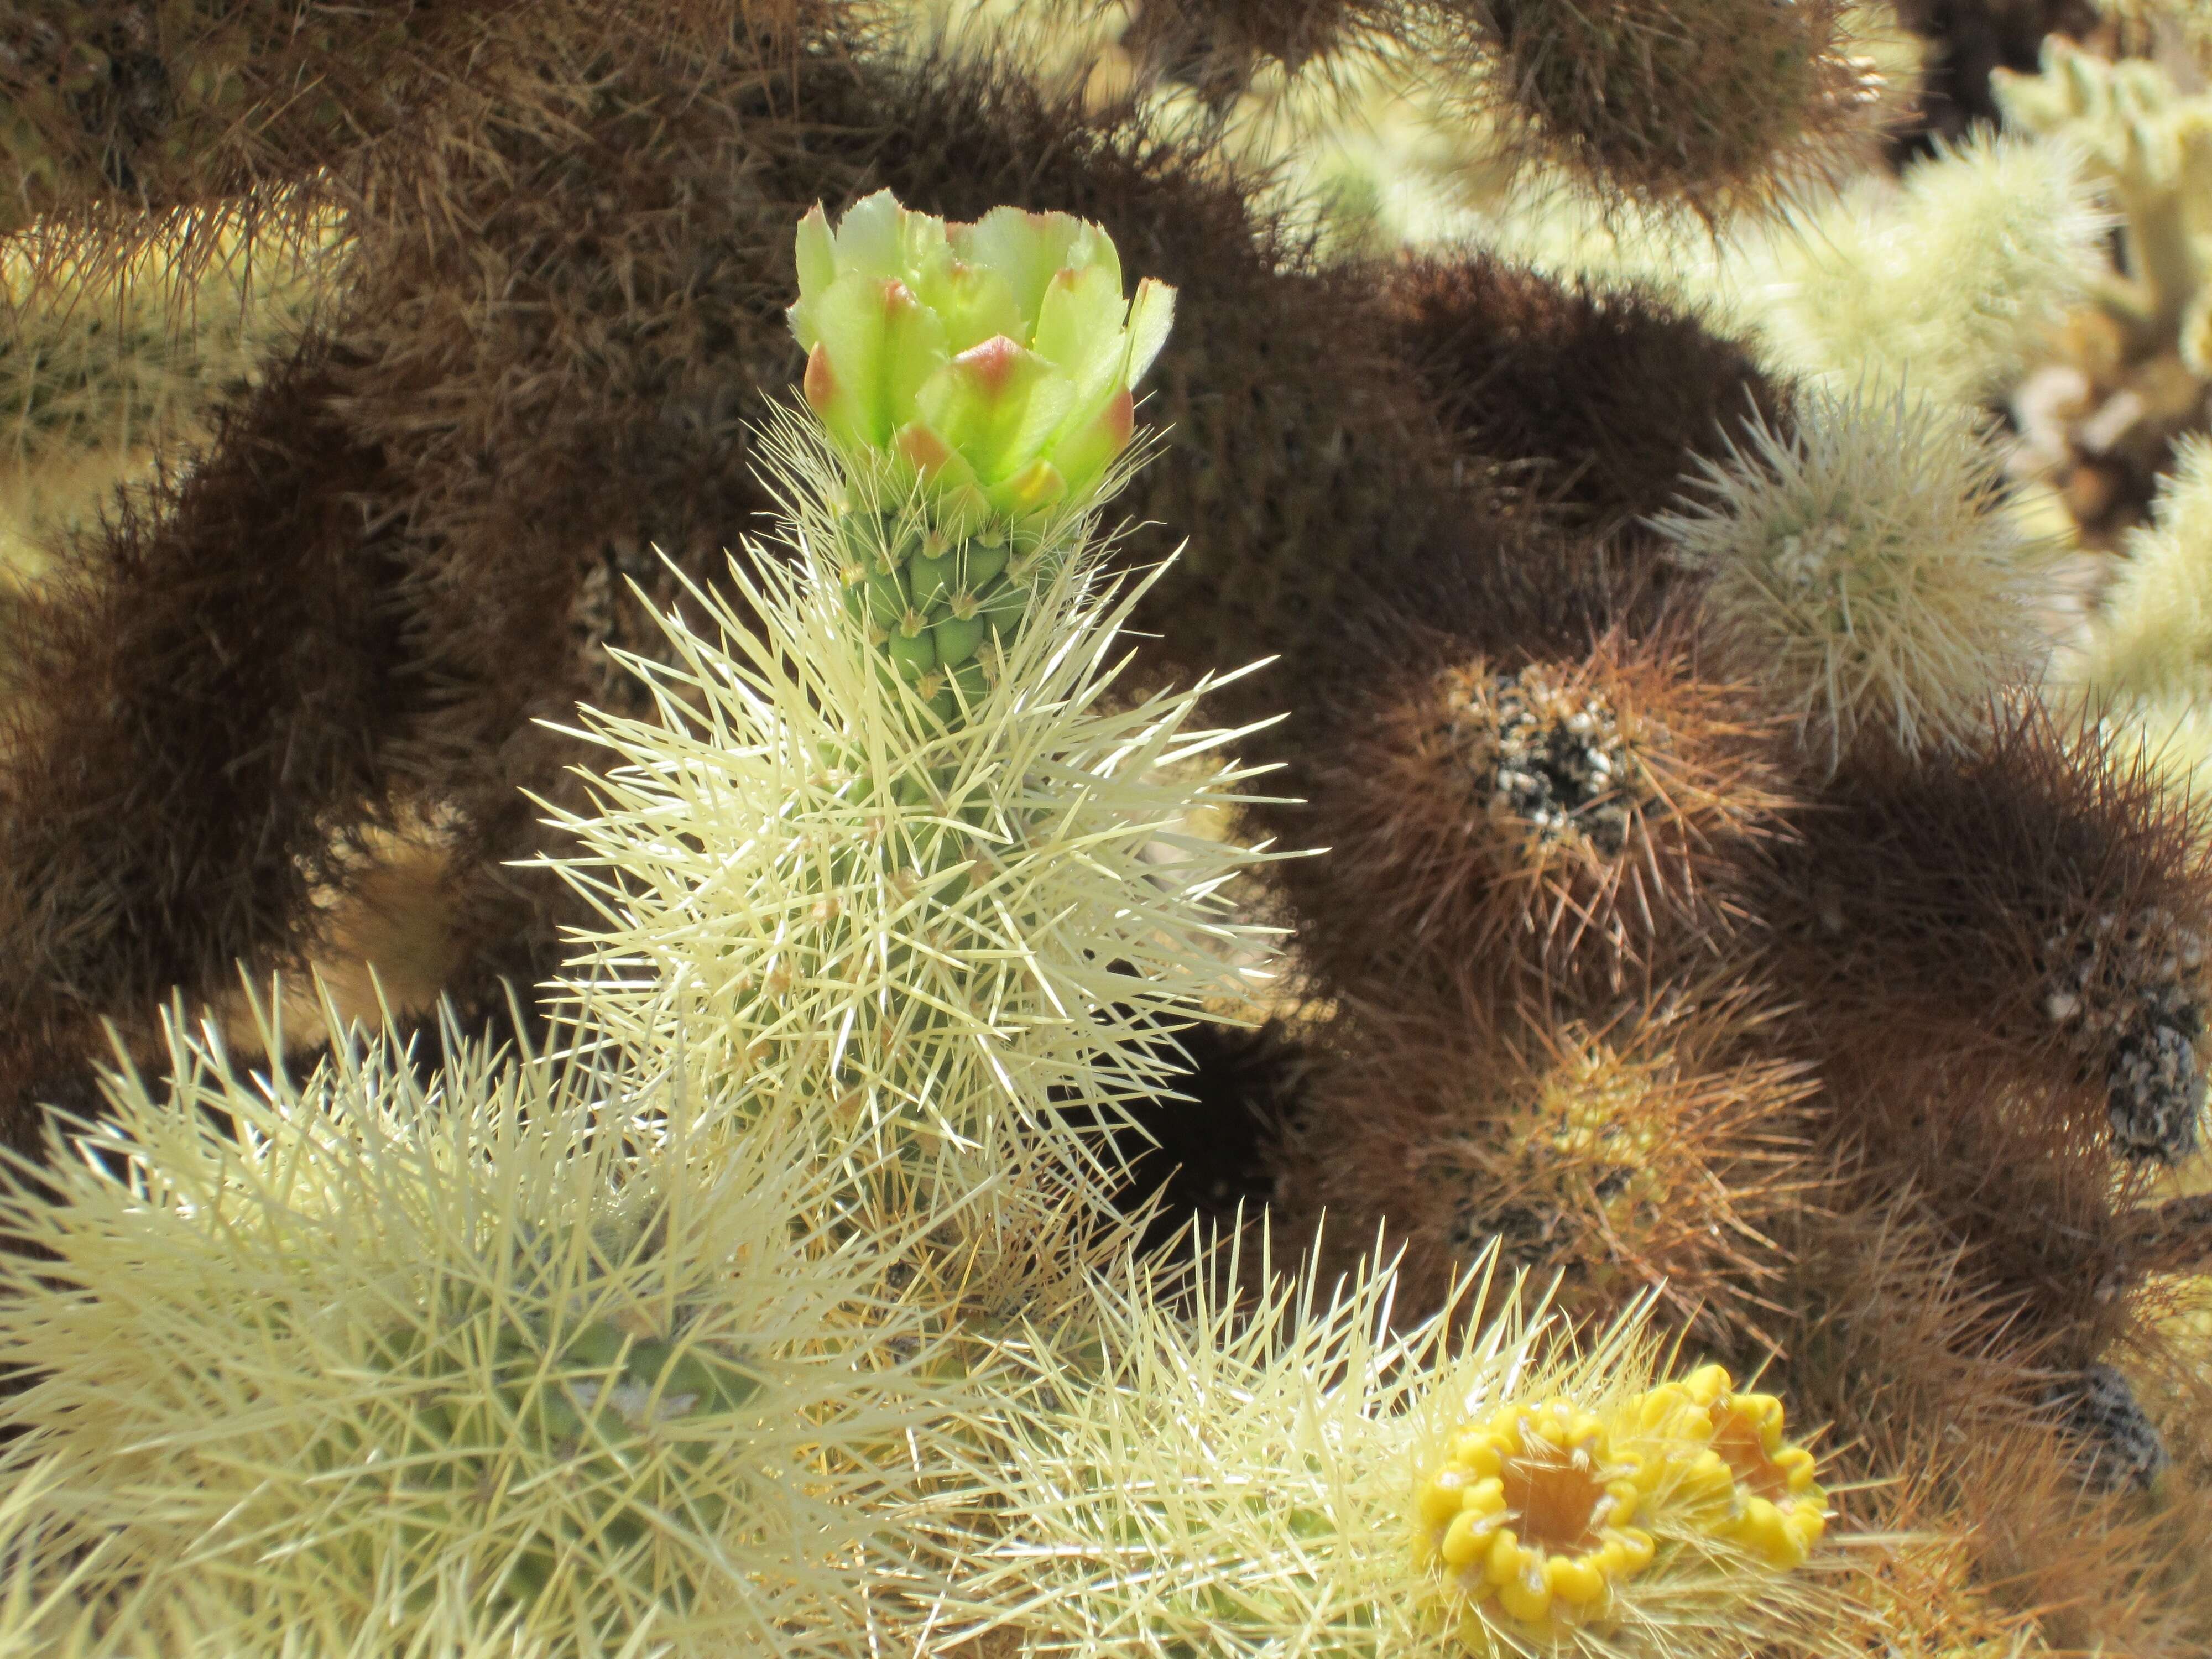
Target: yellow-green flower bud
x=992, y=360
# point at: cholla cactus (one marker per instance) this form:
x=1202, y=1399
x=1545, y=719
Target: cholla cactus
x=884, y=844
x=170, y=103
x=2172, y=734
x=2152, y=638
x=2150, y=145
x=1606, y=391
x=1864, y=574
x=1721, y=105
x=813, y=883
x=1288, y=1477
x=112, y=359
x=374, y=1341
x=2144, y=669
x=1657, y=1155
x=1552, y=828
x=888, y=844
x=42, y=1607
x=2067, y=886
x=1952, y=283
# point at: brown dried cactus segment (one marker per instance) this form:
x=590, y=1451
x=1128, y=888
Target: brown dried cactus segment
x=2042, y=906
x=1915, y=1593
x=1981, y=1542
x=1575, y=825
x=641, y=259
x=1894, y=1331
x=1721, y=106
x=1217, y=47
x=2016, y=1177
x=206, y=689
x=1608, y=391
x=1654, y=1149
x=1988, y=1247
x=2104, y=1569
x=170, y=103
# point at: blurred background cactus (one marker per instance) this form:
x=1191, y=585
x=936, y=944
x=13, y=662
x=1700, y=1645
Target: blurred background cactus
x=1500, y=948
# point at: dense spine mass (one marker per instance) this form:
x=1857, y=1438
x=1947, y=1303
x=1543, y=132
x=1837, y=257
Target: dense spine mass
x=1709, y=916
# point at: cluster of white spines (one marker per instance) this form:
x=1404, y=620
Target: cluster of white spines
x=2152, y=640
x=2143, y=664
x=324, y=1350
x=1951, y=283
x=890, y=844
x=1863, y=569
x=1230, y=1472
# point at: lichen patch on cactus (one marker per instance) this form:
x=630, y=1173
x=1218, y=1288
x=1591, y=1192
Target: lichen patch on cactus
x=2118, y=1443
x=2133, y=992
x=1551, y=756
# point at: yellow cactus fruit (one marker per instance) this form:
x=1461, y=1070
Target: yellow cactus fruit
x=1528, y=1515
x=1701, y=1443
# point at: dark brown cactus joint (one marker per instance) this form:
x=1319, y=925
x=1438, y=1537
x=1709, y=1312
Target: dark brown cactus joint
x=1215, y=46
x=1603, y=394
x=1570, y=824
x=212, y=683
x=2040, y=903
x=155, y=103
x=1720, y=105
x=1654, y=1149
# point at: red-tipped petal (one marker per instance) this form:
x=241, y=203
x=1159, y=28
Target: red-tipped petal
x=1120, y=420
x=820, y=384
x=1085, y=452
x=923, y=448
x=991, y=365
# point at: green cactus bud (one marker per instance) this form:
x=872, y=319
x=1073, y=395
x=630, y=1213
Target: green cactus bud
x=993, y=360
x=957, y=640
x=971, y=684
x=599, y=1346
x=980, y=565
x=929, y=581
x=880, y=599
x=1002, y=605
x=912, y=655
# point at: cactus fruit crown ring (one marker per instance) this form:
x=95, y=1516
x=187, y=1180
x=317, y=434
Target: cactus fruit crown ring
x=1529, y=1512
